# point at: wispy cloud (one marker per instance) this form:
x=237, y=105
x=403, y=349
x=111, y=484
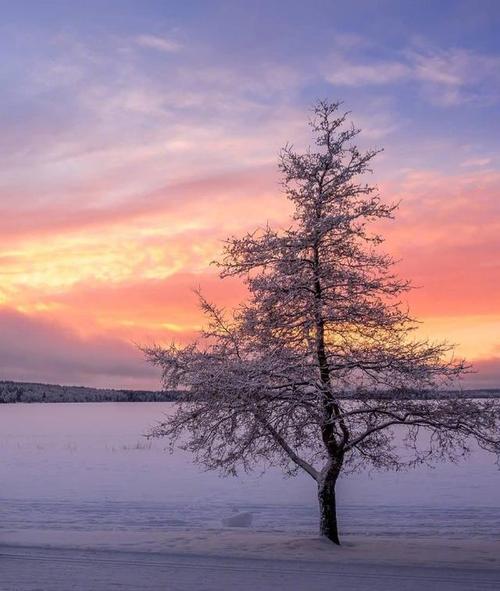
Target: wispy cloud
x=476, y=162
x=446, y=77
x=158, y=43
x=343, y=72
x=455, y=76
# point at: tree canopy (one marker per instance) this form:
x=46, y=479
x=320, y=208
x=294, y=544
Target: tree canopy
x=322, y=365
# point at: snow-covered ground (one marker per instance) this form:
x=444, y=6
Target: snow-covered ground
x=81, y=478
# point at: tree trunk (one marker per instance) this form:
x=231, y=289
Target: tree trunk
x=327, y=506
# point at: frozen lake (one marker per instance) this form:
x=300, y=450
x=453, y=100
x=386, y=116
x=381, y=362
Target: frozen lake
x=86, y=467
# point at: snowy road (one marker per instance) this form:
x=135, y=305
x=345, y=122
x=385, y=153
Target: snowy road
x=26, y=569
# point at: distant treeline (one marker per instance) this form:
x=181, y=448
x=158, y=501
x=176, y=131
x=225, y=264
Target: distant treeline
x=25, y=392
x=11, y=392
x=443, y=394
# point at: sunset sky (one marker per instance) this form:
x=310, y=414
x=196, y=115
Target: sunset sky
x=137, y=135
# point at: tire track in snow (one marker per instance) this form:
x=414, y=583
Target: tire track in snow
x=262, y=566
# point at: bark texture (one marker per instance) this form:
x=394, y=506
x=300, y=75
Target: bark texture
x=328, y=525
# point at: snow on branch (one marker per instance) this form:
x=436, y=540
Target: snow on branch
x=320, y=368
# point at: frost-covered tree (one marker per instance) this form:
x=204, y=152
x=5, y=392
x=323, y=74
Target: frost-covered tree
x=320, y=369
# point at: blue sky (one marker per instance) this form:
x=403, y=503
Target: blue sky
x=434, y=66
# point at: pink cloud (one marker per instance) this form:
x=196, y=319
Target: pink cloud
x=486, y=374
x=447, y=235
x=32, y=349
x=82, y=211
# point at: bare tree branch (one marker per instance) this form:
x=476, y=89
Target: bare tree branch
x=321, y=365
